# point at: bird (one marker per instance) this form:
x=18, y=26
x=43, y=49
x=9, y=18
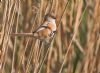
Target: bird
x=47, y=29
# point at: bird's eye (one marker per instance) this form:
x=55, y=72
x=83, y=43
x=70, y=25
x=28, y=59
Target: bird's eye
x=53, y=17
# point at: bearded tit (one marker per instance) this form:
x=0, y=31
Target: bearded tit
x=47, y=30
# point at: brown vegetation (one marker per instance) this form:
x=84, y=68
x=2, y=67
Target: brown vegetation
x=75, y=47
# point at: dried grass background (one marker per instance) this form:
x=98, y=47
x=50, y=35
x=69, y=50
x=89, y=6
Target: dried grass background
x=74, y=49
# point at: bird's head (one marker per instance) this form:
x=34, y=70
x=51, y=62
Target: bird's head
x=51, y=17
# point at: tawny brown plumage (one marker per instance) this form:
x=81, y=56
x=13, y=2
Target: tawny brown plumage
x=47, y=29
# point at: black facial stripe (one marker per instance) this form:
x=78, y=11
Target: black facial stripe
x=49, y=15
x=47, y=27
x=53, y=17
x=54, y=31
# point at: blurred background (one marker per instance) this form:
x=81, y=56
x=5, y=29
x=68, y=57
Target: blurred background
x=74, y=49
